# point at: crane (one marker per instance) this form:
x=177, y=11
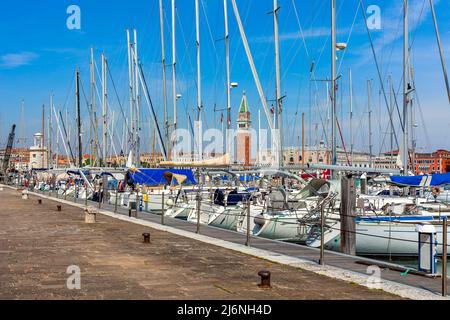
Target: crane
x=7, y=154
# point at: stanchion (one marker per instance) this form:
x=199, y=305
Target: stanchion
x=444, y=256
x=322, y=236
x=137, y=207
x=199, y=199
x=247, y=243
x=115, y=202
x=163, y=210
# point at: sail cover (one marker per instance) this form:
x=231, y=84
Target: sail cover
x=157, y=177
x=427, y=180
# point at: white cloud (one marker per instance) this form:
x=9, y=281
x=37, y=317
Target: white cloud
x=14, y=60
x=318, y=32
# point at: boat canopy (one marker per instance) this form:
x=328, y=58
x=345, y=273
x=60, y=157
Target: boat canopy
x=427, y=180
x=158, y=177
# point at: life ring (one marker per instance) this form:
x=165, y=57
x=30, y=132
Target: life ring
x=436, y=191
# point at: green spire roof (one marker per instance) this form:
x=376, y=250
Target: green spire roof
x=244, y=105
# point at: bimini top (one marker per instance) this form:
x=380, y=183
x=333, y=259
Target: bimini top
x=158, y=177
x=427, y=180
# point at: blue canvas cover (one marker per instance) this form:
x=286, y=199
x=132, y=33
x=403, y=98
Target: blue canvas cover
x=427, y=180
x=155, y=177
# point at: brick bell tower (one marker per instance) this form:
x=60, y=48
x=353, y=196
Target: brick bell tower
x=243, y=135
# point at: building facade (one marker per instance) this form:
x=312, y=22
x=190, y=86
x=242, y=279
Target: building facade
x=38, y=153
x=434, y=162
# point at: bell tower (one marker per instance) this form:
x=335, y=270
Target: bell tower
x=243, y=133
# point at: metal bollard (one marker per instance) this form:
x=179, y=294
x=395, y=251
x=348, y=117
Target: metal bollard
x=265, y=279
x=146, y=236
x=163, y=210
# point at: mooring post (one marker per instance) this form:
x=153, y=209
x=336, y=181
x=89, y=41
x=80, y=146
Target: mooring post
x=116, y=200
x=444, y=256
x=247, y=243
x=105, y=188
x=199, y=199
x=322, y=235
x=348, y=215
x=364, y=185
x=86, y=196
x=163, y=210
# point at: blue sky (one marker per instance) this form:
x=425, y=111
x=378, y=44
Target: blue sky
x=39, y=54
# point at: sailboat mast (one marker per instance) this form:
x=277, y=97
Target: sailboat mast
x=57, y=142
x=174, y=65
x=77, y=94
x=441, y=55
x=50, y=133
x=405, y=151
x=369, y=106
x=43, y=136
x=130, y=77
x=351, y=115
x=227, y=63
x=259, y=137
x=137, y=100
x=164, y=79
x=278, y=110
x=252, y=65
x=199, y=80
x=92, y=102
x=333, y=86
x=104, y=112
x=391, y=110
